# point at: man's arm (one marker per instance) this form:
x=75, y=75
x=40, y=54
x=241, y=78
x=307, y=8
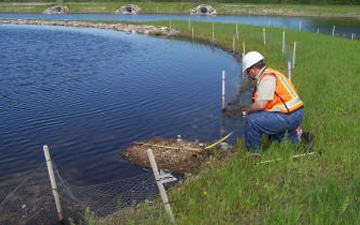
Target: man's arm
x=256, y=106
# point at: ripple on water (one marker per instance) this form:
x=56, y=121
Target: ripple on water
x=89, y=93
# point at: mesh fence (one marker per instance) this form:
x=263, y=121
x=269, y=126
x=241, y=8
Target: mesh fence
x=32, y=202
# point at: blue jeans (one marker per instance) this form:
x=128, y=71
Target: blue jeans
x=274, y=124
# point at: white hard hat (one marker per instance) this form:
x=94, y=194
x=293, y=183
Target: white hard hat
x=250, y=59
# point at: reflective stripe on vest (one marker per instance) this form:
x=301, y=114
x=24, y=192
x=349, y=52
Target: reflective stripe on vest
x=286, y=99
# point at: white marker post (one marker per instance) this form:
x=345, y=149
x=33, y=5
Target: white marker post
x=294, y=55
x=333, y=31
x=189, y=24
x=233, y=44
x=242, y=66
x=163, y=194
x=223, y=90
x=289, y=70
x=264, y=35
x=283, y=43
x=300, y=23
x=192, y=33
x=237, y=32
x=318, y=31
x=352, y=36
x=53, y=184
x=213, y=33
x=244, y=47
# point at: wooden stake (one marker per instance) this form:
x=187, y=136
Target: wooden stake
x=294, y=55
x=289, y=70
x=264, y=36
x=223, y=89
x=283, y=43
x=163, y=194
x=53, y=184
x=333, y=31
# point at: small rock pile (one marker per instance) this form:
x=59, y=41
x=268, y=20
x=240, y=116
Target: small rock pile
x=128, y=9
x=57, y=9
x=203, y=10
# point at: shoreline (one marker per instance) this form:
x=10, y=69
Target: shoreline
x=127, y=28
x=149, y=30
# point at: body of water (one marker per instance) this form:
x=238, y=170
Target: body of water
x=90, y=93
x=343, y=27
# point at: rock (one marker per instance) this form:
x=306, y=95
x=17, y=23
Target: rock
x=203, y=10
x=225, y=146
x=140, y=29
x=57, y=9
x=128, y=9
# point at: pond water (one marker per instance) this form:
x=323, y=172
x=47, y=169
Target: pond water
x=343, y=27
x=89, y=93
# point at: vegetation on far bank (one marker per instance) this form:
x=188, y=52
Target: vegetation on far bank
x=350, y=11
x=311, y=190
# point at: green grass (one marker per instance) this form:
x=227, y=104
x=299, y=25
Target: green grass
x=314, y=190
x=184, y=7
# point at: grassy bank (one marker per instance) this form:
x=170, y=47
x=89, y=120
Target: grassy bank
x=184, y=7
x=314, y=190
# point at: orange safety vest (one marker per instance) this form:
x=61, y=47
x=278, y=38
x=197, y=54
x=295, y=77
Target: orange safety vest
x=286, y=98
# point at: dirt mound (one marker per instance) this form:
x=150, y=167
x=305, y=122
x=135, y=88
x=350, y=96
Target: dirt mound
x=173, y=155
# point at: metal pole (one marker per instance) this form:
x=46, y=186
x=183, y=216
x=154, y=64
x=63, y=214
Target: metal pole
x=223, y=89
x=289, y=70
x=53, y=184
x=294, y=55
x=163, y=194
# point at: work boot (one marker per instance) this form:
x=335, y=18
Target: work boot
x=307, y=139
